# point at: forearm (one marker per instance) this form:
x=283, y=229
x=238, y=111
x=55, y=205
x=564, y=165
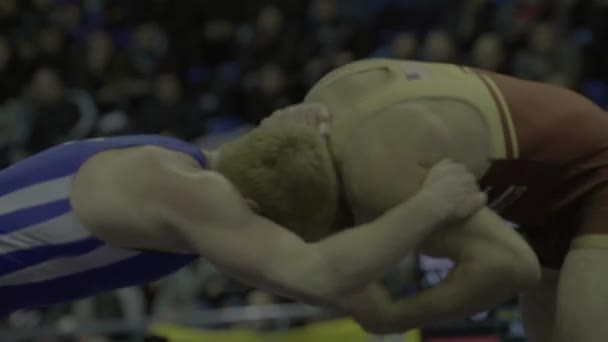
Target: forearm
x=257, y=251
x=358, y=256
x=470, y=289
x=493, y=263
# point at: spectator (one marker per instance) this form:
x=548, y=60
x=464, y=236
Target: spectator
x=33, y=15
x=267, y=94
x=53, y=49
x=241, y=60
x=217, y=41
x=547, y=55
x=340, y=58
x=331, y=31
x=518, y=17
x=439, y=47
x=148, y=49
x=267, y=38
x=100, y=71
x=7, y=126
x=126, y=304
x=327, y=31
x=49, y=114
x=474, y=18
x=9, y=74
x=488, y=53
x=166, y=112
x=313, y=70
x=402, y=46
x=66, y=17
x=598, y=53
x=9, y=19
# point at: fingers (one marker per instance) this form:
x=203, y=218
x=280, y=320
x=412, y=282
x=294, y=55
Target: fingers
x=475, y=203
x=430, y=164
x=483, y=199
x=444, y=162
x=456, y=187
x=441, y=164
x=447, y=166
x=479, y=200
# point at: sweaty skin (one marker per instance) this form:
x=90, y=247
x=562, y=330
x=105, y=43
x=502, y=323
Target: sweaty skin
x=542, y=153
x=152, y=198
x=377, y=139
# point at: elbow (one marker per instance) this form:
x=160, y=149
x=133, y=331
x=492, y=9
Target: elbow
x=526, y=269
x=522, y=273
x=528, y=273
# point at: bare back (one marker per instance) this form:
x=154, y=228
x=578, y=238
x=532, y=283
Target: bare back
x=386, y=135
x=395, y=145
x=387, y=156
x=381, y=131
x=384, y=150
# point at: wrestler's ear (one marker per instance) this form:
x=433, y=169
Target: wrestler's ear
x=253, y=205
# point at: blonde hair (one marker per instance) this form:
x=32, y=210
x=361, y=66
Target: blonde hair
x=289, y=172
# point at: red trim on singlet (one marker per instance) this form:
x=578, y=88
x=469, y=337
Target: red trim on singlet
x=503, y=117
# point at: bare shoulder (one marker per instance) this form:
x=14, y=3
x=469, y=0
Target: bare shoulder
x=469, y=133
x=384, y=160
x=387, y=155
x=119, y=194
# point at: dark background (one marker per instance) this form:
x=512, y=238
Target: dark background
x=195, y=69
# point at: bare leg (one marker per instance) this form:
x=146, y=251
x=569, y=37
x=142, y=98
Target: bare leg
x=582, y=306
x=538, y=308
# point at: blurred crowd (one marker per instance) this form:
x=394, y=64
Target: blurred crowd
x=72, y=69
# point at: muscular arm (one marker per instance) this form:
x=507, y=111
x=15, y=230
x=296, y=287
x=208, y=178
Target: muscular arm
x=207, y=211
x=492, y=265
x=493, y=262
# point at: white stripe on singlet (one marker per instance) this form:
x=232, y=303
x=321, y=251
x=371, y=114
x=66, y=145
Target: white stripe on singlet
x=58, y=230
x=37, y=194
x=60, y=267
